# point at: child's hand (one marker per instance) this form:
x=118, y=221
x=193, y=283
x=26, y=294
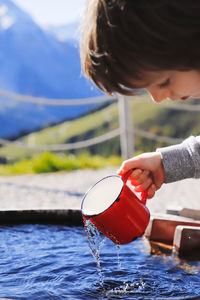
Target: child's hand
x=148, y=174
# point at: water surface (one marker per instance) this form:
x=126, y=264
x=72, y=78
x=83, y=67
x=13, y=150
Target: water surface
x=55, y=262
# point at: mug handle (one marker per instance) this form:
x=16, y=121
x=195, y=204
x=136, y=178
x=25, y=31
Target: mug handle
x=125, y=178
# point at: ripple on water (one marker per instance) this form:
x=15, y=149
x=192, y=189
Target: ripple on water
x=54, y=262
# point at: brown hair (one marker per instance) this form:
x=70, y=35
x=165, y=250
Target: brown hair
x=124, y=39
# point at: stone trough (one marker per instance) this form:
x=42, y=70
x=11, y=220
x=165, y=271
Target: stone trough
x=68, y=217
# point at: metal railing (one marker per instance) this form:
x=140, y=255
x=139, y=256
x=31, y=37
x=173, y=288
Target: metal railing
x=123, y=131
x=126, y=129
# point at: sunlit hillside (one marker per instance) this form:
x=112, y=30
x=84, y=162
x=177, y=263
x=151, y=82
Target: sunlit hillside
x=146, y=115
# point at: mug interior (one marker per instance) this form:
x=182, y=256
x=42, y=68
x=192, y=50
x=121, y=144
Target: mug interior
x=102, y=195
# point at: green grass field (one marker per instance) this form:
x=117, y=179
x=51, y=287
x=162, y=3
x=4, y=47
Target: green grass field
x=50, y=162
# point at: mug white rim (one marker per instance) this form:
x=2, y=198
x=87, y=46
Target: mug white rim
x=116, y=200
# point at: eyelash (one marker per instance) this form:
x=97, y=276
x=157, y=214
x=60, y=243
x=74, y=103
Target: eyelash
x=164, y=84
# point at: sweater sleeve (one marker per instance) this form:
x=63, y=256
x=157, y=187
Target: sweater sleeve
x=181, y=161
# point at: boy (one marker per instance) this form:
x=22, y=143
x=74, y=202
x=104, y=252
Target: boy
x=129, y=45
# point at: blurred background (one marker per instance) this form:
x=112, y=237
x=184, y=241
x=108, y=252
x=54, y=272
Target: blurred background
x=51, y=117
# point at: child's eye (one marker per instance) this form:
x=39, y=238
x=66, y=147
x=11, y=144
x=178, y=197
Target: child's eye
x=164, y=84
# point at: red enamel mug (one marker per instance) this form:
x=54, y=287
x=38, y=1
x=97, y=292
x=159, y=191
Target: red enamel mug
x=115, y=209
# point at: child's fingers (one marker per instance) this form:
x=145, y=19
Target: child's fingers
x=151, y=191
x=136, y=174
x=144, y=186
x=139, y=176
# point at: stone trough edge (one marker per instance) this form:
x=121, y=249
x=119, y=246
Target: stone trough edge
x=69, y=217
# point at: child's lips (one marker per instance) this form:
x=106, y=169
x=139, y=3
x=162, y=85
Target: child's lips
x=184, y=98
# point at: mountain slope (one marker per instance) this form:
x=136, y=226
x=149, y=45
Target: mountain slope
x=34, y=62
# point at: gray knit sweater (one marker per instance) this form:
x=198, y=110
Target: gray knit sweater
x=181, y=161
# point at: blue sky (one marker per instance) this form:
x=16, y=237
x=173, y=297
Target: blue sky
x=53, y=12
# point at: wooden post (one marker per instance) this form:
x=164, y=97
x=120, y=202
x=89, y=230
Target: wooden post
x=126, y=126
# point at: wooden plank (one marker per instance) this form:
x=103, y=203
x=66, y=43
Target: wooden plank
x=173, y=211
x=162, y=229
x=190, y=213
x=185, y=212
x=187, y=242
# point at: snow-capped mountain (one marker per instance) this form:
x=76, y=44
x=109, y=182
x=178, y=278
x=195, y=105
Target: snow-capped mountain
x=34, y=62
x=71, y=31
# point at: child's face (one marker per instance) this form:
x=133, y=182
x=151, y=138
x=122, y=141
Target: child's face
x=174, y=85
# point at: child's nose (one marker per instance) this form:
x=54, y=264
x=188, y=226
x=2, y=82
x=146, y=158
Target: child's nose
x=158, y=95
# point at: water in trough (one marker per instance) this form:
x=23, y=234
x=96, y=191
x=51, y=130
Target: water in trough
x=55, y=262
